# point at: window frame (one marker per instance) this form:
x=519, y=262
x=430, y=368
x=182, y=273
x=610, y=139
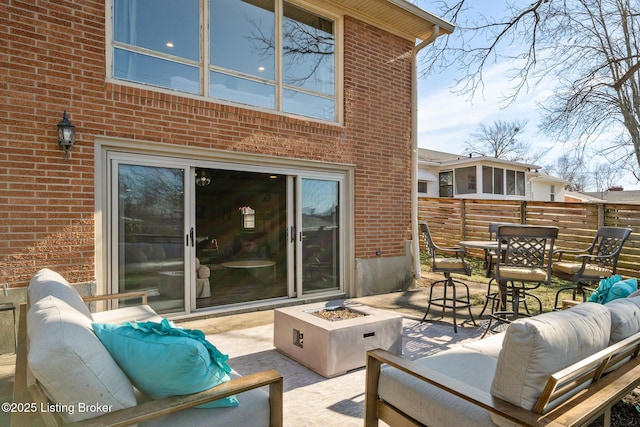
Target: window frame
x=470, y=175
x=446, y=185
x=423, y=185
x=205, y=67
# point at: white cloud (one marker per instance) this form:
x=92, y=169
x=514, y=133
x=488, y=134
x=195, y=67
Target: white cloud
x=445, y=120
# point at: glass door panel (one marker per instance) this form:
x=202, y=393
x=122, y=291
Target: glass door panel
x=149, y=225
x=241, y=230
x=320, y=234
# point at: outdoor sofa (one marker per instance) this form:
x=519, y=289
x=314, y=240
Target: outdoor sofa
x=64, y=374
x=559, y=368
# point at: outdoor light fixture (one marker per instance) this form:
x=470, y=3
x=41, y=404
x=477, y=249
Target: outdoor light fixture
x=203, y=178
x=66, y=134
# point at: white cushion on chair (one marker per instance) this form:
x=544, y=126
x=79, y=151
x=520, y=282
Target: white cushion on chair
x=625, y=317
x=591, y=270
x=71, y=363
x=453, y=263
x=524, y=273
x=49, y=283
x=431, y=405
x=536, y=347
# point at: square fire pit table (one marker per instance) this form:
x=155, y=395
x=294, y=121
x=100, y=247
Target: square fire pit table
x=333, y=347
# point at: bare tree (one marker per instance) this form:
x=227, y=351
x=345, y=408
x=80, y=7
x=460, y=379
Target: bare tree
x=571, y=168
x=606, y=176
x=500, y=140
x=590, y=48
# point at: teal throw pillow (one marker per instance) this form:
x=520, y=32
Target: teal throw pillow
x=613, y=288
x=162, y=360
x=622, y=289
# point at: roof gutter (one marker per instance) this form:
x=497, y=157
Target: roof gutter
x=414, y=151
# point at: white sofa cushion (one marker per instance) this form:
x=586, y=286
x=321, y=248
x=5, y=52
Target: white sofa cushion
x=49, y=283
x=535, y=347
x=625, y=318
x=139, y=313
x=252, y=412
x=71, y=363
x=490, y=345
x=433, y=406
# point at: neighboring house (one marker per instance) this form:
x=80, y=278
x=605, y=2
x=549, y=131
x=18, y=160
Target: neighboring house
x=449, y=175
x=615, y=195
x=270, y=141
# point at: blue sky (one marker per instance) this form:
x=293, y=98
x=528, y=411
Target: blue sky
x=445, y=120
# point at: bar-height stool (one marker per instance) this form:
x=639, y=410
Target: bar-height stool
x=524, y=263
x=454, y=263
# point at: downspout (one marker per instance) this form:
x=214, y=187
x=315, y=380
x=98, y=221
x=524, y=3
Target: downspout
x=414, y=151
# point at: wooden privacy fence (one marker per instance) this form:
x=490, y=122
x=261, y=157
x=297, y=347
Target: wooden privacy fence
x=452, y=220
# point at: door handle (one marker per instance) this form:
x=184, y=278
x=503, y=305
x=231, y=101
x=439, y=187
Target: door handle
x=293, y=234
x=191, y=233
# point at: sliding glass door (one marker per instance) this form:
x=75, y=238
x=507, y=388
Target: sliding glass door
x=149, y=243
x=196, y=235
x=319, y=254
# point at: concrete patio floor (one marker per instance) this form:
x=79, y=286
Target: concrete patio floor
x=410, y=303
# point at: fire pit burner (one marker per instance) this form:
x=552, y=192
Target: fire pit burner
x=337, y=313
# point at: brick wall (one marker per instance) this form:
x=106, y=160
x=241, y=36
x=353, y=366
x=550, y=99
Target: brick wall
x=53, y=59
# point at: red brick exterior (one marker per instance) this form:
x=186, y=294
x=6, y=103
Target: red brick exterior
x=53, y=59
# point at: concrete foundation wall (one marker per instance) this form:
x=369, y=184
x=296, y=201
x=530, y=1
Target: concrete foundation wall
x=376, y=276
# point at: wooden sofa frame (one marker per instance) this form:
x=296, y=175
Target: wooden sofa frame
x=613, y=372
x=27, y=391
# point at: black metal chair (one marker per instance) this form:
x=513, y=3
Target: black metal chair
x=447, y=261
x=523, y=264
x=598, y=261
x=490, y=259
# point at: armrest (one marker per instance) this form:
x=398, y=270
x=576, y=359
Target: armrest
x=561, y=252
x=157, y=408
x=457, y=250
x=585, y=258
x=125, y=295
x=375, y=359
x=568, y=303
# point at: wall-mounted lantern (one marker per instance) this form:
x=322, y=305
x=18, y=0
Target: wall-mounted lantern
x=66, y=134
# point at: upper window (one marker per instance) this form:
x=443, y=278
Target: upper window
x=249, y=58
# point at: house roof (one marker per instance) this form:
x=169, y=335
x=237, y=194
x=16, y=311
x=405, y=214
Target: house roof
x=615, y=196
x=571, y=196
x=399, y=14
x=439, y=158
x=543, y=177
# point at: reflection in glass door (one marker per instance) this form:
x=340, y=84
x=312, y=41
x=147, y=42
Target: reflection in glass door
x=149, y=238
x=320, y=235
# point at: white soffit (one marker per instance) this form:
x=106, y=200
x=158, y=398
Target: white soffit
x=398, y=14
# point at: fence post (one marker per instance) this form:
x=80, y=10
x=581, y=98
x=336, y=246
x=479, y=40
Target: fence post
x=463, y=219
x=523, y=212
x=601, y=211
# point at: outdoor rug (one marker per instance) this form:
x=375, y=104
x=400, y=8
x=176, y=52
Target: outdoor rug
x=309, y=398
